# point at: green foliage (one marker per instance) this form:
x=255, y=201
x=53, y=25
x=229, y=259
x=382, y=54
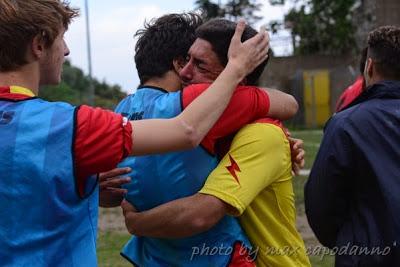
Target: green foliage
x=276, y=2
x=320, y=26
x=62, y=92
x=209, y=9
x=74, y=89
x=243, y=9
x=233, y=9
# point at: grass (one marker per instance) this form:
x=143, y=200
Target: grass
x=109, y=245
x=316, y=260
x=298, y=185
x=327, y=261
x=312, y=139
x=110, y=242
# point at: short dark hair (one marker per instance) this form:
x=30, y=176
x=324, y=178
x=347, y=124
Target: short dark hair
x=163, y=40
x=22, y=20
x=384, y=49
x=219, y=32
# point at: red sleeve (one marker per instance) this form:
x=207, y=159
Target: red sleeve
x=248, y=103
x=102, y=140
x=350, y=94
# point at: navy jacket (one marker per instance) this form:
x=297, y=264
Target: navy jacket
x=352, y=197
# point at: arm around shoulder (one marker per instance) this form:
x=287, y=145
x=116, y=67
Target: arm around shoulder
x=282, y=106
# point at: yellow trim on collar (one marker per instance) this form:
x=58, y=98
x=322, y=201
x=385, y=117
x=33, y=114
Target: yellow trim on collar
x=21, y=90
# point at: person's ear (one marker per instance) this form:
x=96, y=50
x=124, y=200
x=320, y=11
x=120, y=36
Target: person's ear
x=369, y=70
x=37, y=46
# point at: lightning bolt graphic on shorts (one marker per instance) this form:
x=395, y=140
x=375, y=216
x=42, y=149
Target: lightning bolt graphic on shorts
x=233, y=168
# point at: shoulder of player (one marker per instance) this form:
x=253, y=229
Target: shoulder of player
x=261, y=134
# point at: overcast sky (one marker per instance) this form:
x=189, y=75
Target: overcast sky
x=113, y=24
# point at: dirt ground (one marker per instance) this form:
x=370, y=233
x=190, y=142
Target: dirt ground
x=111, y=219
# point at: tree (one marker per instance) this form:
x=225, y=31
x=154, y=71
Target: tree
x=62, y=92
x=74, y=89
x=233, y=10
x=246, y=9
x=209, y=9
x=320, y=26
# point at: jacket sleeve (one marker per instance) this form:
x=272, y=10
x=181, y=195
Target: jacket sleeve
x=326, y=194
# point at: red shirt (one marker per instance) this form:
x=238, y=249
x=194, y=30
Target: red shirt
x=247, y=104
x=351, y=93
x=103, y=139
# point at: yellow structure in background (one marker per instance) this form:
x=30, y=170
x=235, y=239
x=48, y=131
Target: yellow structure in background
x=316, y=97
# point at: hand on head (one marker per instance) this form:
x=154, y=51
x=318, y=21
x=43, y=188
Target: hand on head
x=247, y=55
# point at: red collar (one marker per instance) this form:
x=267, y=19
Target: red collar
x=15, y=93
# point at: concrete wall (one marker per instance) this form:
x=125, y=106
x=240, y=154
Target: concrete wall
x=285, y=73
x=369, y=15
x=364, y=20
x=387, y=12
x=372, y=14
x=280, y=71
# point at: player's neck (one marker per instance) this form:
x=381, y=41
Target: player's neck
x=169, y=82
x=26, y=76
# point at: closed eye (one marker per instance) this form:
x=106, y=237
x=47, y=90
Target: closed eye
x=200, y=65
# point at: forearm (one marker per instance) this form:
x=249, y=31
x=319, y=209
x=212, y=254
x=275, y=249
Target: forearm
x=282, y=106
x=189, y=128
x=177, y=219
x=202, y=114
